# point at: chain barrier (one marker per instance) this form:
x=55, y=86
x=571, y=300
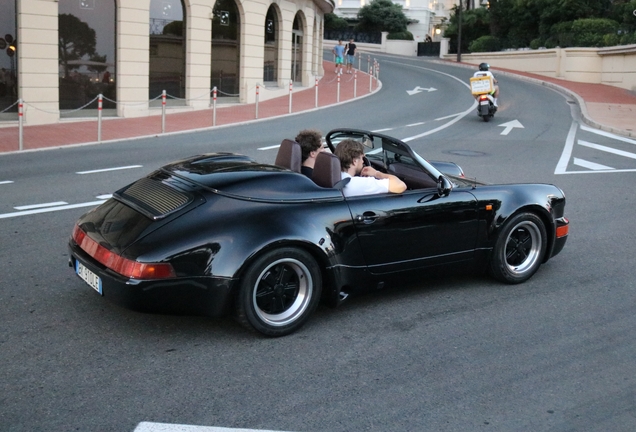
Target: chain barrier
x=10, y=106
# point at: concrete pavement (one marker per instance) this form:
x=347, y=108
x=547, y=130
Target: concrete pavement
x=609, y=108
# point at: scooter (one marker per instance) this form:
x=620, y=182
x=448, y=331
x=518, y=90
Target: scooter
x=486, y=108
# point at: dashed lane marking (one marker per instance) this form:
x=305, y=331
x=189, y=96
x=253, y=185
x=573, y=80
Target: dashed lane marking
x=50, y=209
x=166, y=427
x=36, y=206
x=109, y=169
x=5, y=182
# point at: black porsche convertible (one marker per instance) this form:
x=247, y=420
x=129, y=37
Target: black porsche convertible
x=221, y=232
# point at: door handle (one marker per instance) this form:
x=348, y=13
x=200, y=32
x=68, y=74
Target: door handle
x=367, y=217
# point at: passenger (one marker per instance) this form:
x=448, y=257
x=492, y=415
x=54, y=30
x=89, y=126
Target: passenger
x=365, y=180
x=310, y=141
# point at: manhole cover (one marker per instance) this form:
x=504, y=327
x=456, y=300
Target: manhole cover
x=465, y=153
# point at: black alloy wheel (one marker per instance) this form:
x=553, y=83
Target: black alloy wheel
x=520, y=249
x=279, y=292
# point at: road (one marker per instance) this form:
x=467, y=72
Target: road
x=455, y=352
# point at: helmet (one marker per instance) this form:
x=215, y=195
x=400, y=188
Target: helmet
x=484, y=66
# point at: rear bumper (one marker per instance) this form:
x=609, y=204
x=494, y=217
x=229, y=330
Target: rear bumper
x=208, y=296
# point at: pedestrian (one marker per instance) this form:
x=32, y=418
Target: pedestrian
x=351, y=55
x=338, y=51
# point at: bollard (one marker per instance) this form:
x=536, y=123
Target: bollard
x=214, y=106
x=360, y=61
x=163, y=111
x=316, y=103
x=99, y=118
x=291, y=85
x=355, y=82
x=377, y=72
x=256, y=101
x=338, y=91
x=21, y=126
x=370, y=79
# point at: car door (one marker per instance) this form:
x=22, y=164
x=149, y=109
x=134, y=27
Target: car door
x=415, y=229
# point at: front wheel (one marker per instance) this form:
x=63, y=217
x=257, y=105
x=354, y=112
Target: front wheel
x=519, y=249
x=279, y=291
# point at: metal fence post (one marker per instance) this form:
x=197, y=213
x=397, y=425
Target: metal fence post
x=370, y=78
x=163, y=111
x=290, y=95
x=316, y=104
x=214, y=106
x=256, y=101
x=338, y=89
x=21, y=126
x=355, y=82
x=99, y=118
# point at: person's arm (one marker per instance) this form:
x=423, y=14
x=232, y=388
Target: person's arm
x=395, y=184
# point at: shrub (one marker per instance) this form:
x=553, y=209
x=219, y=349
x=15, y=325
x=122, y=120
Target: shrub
x=589, y=32
x=536, y=43
x=485, y=44
x=611, y=39
x=404, y=35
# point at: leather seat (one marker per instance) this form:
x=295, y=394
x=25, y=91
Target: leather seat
x=326, y=170
x=289, y=155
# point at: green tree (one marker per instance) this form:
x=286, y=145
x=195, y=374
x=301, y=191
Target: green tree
x=475, y=24
x=334, y=22
x=382, y=15
x=76, y=39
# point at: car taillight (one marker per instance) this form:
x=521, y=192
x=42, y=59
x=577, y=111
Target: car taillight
x=119, y=264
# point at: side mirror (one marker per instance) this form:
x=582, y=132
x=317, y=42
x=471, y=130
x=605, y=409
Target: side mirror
x=444, y=186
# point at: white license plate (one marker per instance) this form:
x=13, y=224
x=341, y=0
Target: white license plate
x=484, y=102
x=88, y=276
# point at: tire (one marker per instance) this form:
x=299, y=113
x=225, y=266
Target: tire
x=519, y=250
x=486, y=118
x=279, y=291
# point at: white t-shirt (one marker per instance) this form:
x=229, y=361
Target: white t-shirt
x=364, y=185
x=484, y=73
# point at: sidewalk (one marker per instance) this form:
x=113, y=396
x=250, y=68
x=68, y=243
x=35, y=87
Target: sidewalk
x=609, y=108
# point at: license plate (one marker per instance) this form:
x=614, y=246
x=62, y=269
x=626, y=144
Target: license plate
x=484, y=102
x=89, y=277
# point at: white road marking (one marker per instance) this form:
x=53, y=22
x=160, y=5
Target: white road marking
x=444, y=126
x=36, y=206
x=5, y=182
x=419, y=89
x=415, y=124
x=50, y=209
x=165, y=427
x=269, y=148
x=104, y=197
x=591, y=165
x=562, y=165
x=607, y=134
x=448, y=116
x=607, y=149
x=109, y=169
x=382, y=130
x=508, y=126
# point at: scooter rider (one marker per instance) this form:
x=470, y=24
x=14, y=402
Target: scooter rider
x=483, y=71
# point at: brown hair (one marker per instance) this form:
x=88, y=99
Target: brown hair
x=309, y=140
x=347, y=151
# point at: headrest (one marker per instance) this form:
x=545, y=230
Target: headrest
x=289, y=155
x=326, y=170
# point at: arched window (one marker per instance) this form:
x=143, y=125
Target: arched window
x=167, y=48
x=226, y=57
x=270, y=66
x=297, y=49
x=86, y=32
x=8, y=62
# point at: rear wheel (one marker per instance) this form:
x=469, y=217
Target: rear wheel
x=519, y=250
x=279, y=292
x=486, y=117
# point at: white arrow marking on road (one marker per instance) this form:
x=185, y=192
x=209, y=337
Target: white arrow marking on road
x=419, y=89
x=510, y=125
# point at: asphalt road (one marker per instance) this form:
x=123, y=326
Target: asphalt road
x=456, y=352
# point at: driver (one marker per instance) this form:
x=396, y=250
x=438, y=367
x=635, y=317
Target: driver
x=365, y=180
x=483, y=71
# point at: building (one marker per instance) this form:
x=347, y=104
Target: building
x=58, y=55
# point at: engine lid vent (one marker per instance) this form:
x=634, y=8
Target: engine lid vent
x=153, y=198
